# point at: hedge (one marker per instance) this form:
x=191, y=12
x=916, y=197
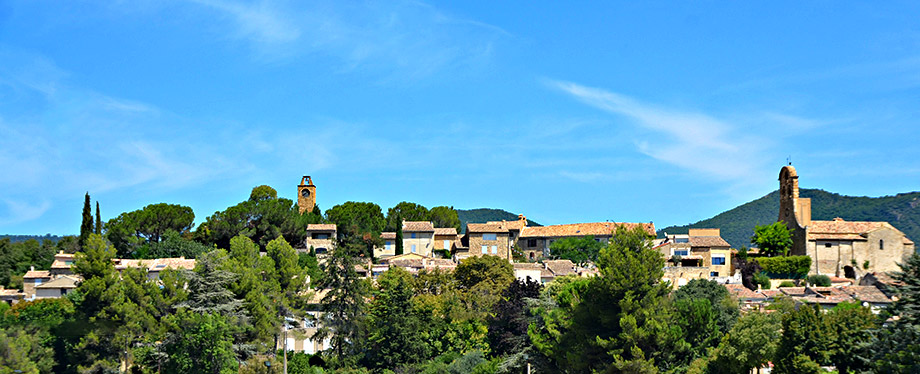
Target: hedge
x=785, y=266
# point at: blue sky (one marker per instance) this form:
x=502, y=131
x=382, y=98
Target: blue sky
x=668, y=112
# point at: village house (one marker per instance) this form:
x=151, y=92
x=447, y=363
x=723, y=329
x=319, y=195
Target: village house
x=320, y=237
x=841, y=248
x=420, y=237
x=486, y=239
x=702, y=248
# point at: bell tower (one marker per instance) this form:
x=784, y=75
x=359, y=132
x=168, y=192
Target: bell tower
x=306, y=194
x=794, y=211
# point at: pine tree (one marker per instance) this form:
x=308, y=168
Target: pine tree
x=86, y=227
x=98, y=230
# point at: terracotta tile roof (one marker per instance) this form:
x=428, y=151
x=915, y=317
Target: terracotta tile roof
x=582, y=229
x=560, y=267
x=526, y=266
x=445, y=231
x=869, y=294
x=388, y=235
x=321, y=227
x=742, y=292
x=839, y=229
x=509, y=225
x=546, y=273
x=6, y=292
x=841, y=280
x=483, y=227
x=37, y=274
x=708, y=241
x=417, y=226
x=61, y=282
x=770, y=294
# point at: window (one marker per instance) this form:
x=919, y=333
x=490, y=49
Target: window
x=531, y=242
x=412, y=235
x=447, y=244
x=485, y=249
x=714, y=274
x=494, y=249
x=320, y=236
x=389, y=245
x=681, y=252
x=413, y=248
x=881, y=244
x=827, y=245
x=489, y=236
x=682, y=240
x=718, y=260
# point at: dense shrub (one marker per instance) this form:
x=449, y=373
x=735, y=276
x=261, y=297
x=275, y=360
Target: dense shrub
x=819, y=280
x=787, y=284
x=785, y=266
x=763, y=280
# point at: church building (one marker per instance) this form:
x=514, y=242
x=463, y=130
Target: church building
x=840, y=248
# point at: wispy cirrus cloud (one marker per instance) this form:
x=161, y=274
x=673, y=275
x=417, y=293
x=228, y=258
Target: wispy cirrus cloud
x=690, y=140
x=408, y=38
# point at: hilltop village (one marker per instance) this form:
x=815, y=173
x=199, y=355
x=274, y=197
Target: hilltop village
x=817, y=263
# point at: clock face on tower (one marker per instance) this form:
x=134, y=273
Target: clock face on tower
x=305, y=192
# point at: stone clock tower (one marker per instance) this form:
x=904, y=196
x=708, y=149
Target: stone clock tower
x=306, y=194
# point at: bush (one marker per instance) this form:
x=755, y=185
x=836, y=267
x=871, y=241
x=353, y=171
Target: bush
x=786, y=266
x=763, y=280
x=787, y=284
x=819, y=280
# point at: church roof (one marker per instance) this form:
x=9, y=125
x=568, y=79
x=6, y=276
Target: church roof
x=839, y=229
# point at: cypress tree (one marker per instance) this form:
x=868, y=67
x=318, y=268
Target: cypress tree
x=399, y=236
x=98, y=230
x=86, y=227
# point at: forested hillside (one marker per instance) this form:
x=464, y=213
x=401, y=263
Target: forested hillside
x=483, y=215
x=22, y=238
x=902, y=211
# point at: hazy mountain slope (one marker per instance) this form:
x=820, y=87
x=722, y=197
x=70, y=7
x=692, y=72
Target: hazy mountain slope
x=902, y=211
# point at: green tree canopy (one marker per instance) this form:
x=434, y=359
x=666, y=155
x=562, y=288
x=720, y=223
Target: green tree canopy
x=405, y=211
x=773, y=240
x=443, y=216
x=148, y=225
x=579, y=250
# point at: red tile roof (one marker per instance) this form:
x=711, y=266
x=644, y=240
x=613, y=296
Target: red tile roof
x=37, y=274
x=582, y=229
x=560, y=267
x=445, y=231
x=708, y=241
x=417, y=226
x=388, y=235
x=321, y=227
x=484, y=227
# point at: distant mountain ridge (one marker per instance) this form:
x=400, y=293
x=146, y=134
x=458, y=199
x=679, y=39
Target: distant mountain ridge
x=39, y=238
x=737, y=225
x=483, y=215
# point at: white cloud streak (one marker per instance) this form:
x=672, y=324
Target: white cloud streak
x=408, y=39
x=689, y=140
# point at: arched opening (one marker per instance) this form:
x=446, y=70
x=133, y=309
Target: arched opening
x=320, y=250
x=849, y=272
x=532, y=255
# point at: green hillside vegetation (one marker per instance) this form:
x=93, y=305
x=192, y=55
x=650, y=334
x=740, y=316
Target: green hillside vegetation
x=483, y=215
x=901, y=210
x=22, y=238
